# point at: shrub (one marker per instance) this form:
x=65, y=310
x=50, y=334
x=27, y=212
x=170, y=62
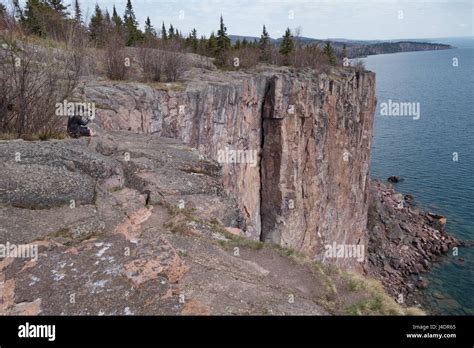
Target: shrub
x=151, y=63
x=308, y=57
x=174, y=63
x=115, y=57
x=247, y=57
x=358, y=65
x=32, y=80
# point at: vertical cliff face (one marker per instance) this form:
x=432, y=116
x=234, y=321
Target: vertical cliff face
x=310, y=133
x=317, y=134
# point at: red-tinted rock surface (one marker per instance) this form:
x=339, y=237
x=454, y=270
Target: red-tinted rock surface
x=311, y=133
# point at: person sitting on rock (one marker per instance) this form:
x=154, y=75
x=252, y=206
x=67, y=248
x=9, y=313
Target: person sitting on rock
x=77, y=127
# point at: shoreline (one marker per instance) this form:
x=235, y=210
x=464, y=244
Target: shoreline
x=451, y=47
x=405, y=242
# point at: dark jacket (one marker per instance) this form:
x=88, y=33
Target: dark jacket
x=76, y=127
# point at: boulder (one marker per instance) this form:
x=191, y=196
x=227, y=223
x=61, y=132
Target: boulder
x=395, y=179
x=409, y=198
x=422, y=283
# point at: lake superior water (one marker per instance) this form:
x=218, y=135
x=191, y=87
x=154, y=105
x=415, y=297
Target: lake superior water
x=424, y=151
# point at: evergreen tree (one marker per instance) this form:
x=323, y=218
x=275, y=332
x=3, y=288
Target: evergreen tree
x=223, y=42
x=96, y=24
x=133, y=33
x=245, y=43
x=194, y=40
x=42, y=17
x=329, y=53
x=33, y=18
x=212, y=44
x=171, y=32
x=108, y=24
x=116, y=18
x=237, y=44
x=77, y=12
x=264, y=38
x=58, y=7
x=287, y=45
x=164, y=36
x=264, y=45
x=149, y=30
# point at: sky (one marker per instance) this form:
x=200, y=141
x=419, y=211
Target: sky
x=321, y=19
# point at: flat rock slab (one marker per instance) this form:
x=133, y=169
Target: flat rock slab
x=98, y=278
x=38, y=187
x=25, y=225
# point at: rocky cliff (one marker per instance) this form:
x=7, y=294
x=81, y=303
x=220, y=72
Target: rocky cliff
x=176, y=226
x=306, y=186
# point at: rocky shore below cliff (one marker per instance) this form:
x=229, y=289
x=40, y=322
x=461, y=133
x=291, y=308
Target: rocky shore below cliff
x=405, y=242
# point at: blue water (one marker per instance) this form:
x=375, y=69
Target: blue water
x=422, y=151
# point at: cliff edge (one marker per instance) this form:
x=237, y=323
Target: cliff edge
x=294, y=146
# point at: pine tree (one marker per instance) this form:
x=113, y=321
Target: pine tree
x=77, y=12
x=42, y=17
x=171, y=32
x=164, y=36
x=133, y=33
x=264, y=38
x=344, y=51
x=264, y=45
x=237, y=44
x=116, y=18
x=149, y=30
x=33, y=17
x=223, y=42
x=287, y=44
x=245, y=43
x=107, y=19
x=194, y=40
x=58, y=7
x=96, y=24
x=329, y=53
